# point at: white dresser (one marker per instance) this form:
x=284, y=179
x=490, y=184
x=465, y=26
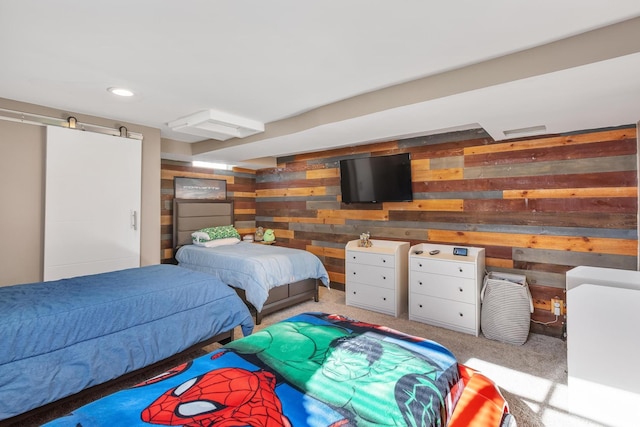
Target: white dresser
x=444, y=289
x=377, y=276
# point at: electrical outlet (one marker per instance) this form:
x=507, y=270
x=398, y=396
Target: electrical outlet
x=556, y=306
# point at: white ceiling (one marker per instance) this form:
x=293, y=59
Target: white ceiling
x=323, y=74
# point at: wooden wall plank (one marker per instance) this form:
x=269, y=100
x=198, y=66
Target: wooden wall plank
x=567, y=243
x=336, y=277
x=244, y=211
x=563, y=193
x=571, y=259
x=323, y=173
x=170, y=174
x=287, y=192
x=418, y=166
x=313, y=220
x=303, y=213
x=426, y=205
x=498, y=262
x=298, y=183
x=604, y=205
x=438, y=174
x=591, y=150
x=576, y=180
x=557, y=167
x=247, y=194
x=554, y=141
x=605, y=222
x=347, y=214
x=323, y=251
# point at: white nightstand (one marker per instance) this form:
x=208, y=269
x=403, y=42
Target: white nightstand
x=444, y=289
x=377, y=276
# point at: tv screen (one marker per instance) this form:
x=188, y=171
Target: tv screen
x=376, y=179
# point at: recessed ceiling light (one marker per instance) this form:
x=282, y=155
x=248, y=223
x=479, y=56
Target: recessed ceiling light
x=120, y=91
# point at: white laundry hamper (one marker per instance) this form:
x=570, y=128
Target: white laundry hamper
x=506, y=308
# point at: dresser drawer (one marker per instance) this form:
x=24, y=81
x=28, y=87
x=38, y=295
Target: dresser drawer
x=449, y=287
x=441, y=311
x=381, y=260
x=444, y=267
x=371, y=275
x=370, y=297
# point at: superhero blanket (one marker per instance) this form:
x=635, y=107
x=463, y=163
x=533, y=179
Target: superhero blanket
x=313, y=369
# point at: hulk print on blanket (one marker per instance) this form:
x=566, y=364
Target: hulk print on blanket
x=369, y=377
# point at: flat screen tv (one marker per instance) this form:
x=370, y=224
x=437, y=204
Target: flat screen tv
x=376, y=179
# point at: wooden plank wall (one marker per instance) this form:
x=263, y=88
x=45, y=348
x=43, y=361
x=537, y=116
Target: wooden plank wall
x=540, y=206
x=240, y=188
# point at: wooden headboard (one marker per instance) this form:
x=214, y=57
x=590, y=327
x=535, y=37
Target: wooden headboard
x=190, y=215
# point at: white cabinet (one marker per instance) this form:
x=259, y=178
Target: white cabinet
x=377, y=276
x=444, y=289
x=602, y=321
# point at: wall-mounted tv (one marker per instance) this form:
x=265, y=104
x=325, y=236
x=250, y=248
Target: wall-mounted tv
x=376, y=179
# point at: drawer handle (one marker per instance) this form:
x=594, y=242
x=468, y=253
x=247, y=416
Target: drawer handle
x=354, y=273
x=384, y=298
x=460, y=269
x=354, y=257
x=460, y=289
x=384, y=277
x=420, y=305
x=419, y=265
x=354, y=292
x=419, y=283
x=461, y=315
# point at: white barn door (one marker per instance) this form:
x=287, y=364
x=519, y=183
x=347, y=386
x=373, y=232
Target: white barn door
x=92, y=203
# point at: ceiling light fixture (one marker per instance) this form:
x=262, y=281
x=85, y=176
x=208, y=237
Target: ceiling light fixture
x=216, y=125
x=211, y=165
x=120, y=91
x=532, y=130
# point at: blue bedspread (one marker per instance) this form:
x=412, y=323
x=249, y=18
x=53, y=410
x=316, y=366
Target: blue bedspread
x=253, y=267
x=62, y=336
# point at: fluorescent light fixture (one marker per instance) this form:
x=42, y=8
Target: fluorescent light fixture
x=533, y=130
x=209, y=165
x=120, y=91
x=216, y=125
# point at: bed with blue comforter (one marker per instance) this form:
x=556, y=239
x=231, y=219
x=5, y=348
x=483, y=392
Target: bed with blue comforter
x=63, y=336
x=257, y=269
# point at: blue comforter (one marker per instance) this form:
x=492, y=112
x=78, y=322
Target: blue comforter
x=253, y=267
x=62, y=336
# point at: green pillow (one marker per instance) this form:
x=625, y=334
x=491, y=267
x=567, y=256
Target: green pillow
x=221, y=232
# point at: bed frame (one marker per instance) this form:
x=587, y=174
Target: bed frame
x=190, y=215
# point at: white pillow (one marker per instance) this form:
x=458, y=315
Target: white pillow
x=218, y=242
